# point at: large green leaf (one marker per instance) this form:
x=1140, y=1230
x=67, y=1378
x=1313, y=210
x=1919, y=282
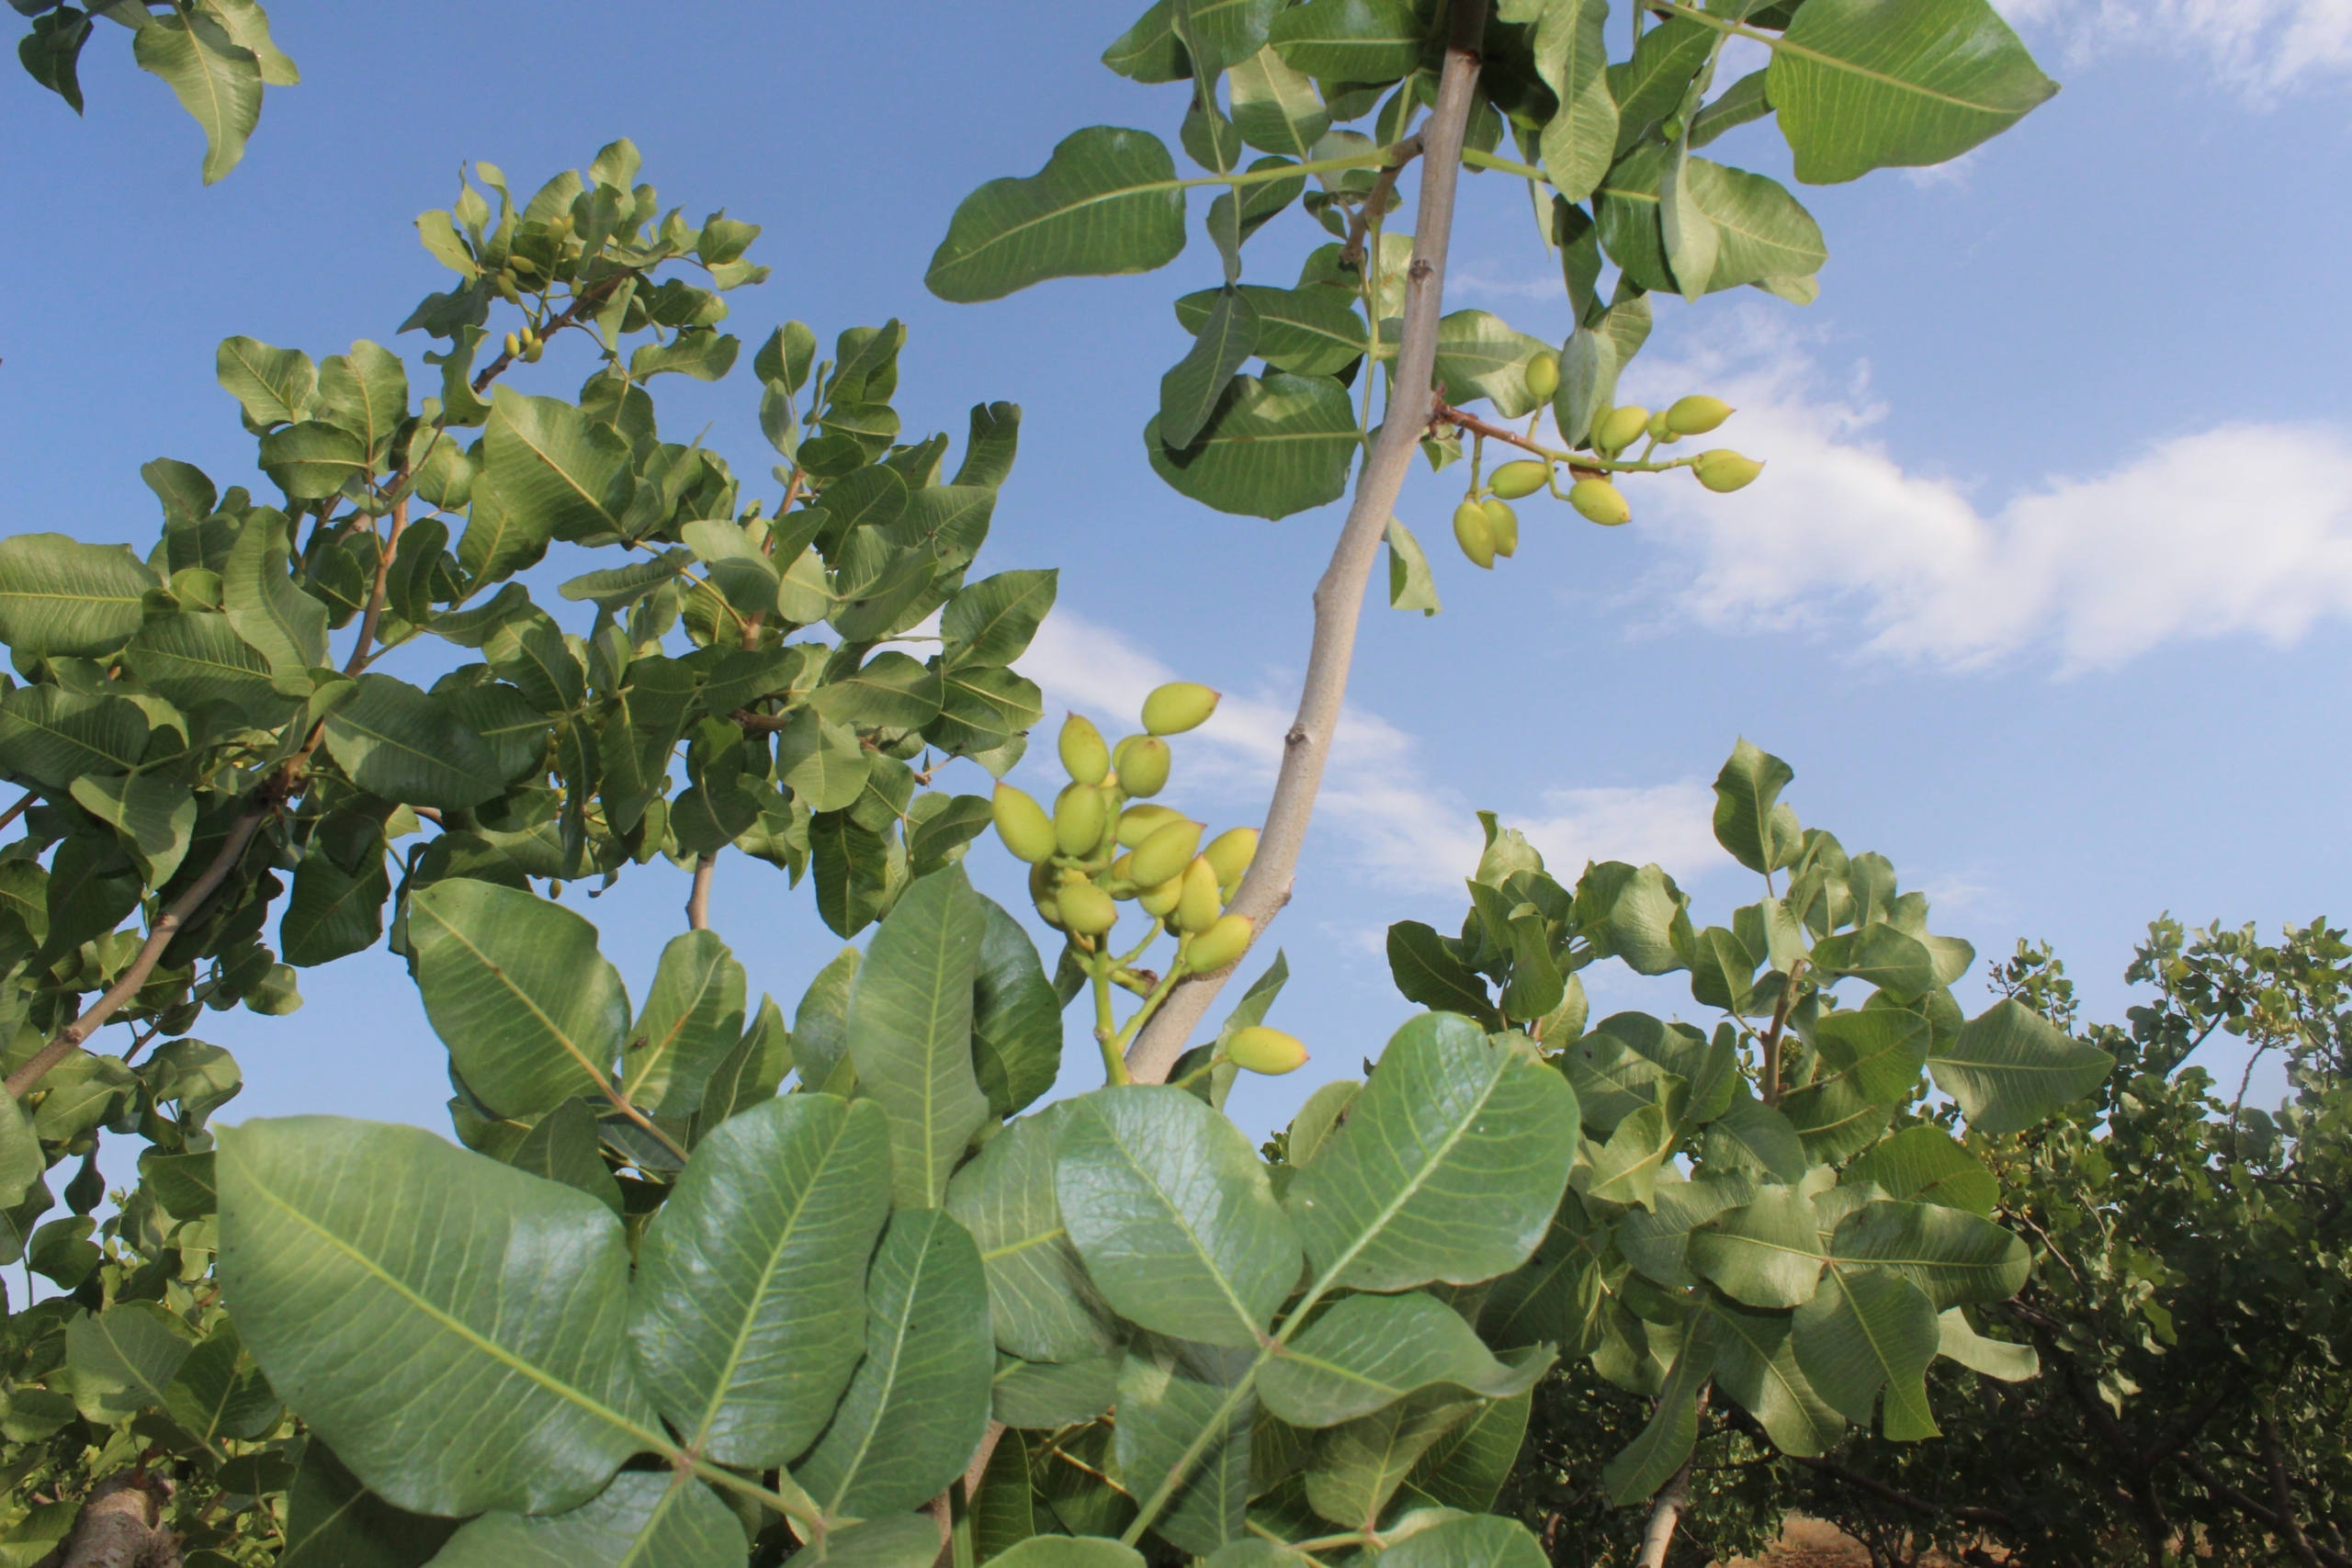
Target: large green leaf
x=1864, y=85
x=1041, y=1303
x=692, y=1016
x=359, y=1257
x=1277, y=445
x=1465, y=1468
x=1749, y=821
x=1880, y=1050
x=284, y=625
x=1016, y=1016
x=1369, y=1351
x=191, y=659
x=1350, y=40
x=1302, y=330
x=1765, y=1252
x=910, y=1032
x=58, y=595
x=1579, y=141
x=1656, y=1240
x=1864, y=1330
x=216, y=79
x=916, y=1409
x=1182, y=1437
x=643, y=1518
x=1106, y=202
x=557, y=473
x=402, y=744
x=124, y=1358
x=749, y=1304
x=1450, y=1166
x=513, y=984
x=2011, y=1066
x=1191, y=390
x=1894, y=961
x=1951, y=1256
x=54, y=737
x=1358, y=1465
x=1170, y=1206
x=312, y=460
x=334, y=1521
x=1753, y=1137
x=991, y=621
x=1924, y=1163
x=1275, y=106
x=1757, y=1367
x=1760, y=229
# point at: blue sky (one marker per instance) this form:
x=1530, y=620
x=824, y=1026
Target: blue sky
x=2045, y=593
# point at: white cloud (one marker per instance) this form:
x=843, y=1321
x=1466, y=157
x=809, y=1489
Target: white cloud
x=2258, y=48
x=2241, y=530
x=1405, y=830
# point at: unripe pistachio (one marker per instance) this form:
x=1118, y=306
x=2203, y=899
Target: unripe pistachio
x=1177, y=707
x=1138, y=823
x=1514, y=480
x=1087, y=909
x=1120, y=869
x=1199, y=907
x=1264, y=1049
x=1502, y=526
x=1219, y=946
x=1696, y=414
x=1229, y=854
x=1078, y=820
x=1161, y=901
x=1601, y=501
x=1142, y=763
x=1724, y=470
x=1022, y=824
x=1084, y=756
x=514, y=346
x=1475, y=533
x=1045, y=888
x=1166, y=854
x=1659, y=431
x=1542, y=376
x=1620, y=428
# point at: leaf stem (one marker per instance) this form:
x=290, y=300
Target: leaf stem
x=1475, y=159
x=1371, y=158
x=1106, y=1031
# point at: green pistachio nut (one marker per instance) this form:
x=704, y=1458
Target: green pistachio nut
x=1177, y=707
x=1696, y=414
x=1022, y=824
x=1045, y=888
x=1087, y=909
x=514, y=346
x=1724, y=470
x=1620, y=428
x=1542, y=376
x=1475, y=533
x=1502, y=526
x=1658, y=432
x=1601, y=501
x=1264, y=1049
x=1138, y=823
x=1514, y=480
x=1229, y=854
x=1199, y=906
x=1219, y=946
x=1166, y=854
x=1084, y=756
x=1078, y=820
x=1160, y=902
x=1141, y=761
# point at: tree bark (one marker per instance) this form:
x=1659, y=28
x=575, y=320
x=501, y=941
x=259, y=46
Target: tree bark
x=1338, y=597
x=121, y=1526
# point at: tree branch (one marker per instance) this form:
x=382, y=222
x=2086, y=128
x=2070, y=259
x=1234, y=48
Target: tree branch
x=367, y=623
x=1338, y=597
x=1901, y=1499
x=2283, y=1497
x=1667, y=1511
x=698, y=901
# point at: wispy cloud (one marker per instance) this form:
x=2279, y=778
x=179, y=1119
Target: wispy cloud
x=1405, y=829
x=2260, y=49
x=2240, y=530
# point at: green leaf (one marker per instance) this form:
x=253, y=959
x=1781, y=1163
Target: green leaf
x=124, y=1358
x=284, y=625
x=692, y=1016
x=1752, y=1135
x=1625, y=1169
x=1748, y=793
x=1990, y=1358
x=312, y=460
x=1350, y=40
x=1170, y=1206
x=1755, y=1365
x=245, y=21
x=1862, y=85
x=402, y=744
x=1427, y=972
x=1760, y=229
x=358, y=1255
x=513, y=984
x=1766, y=1253
x=1553, y=1297
x=1070, y=1552
x=1924, y=1163
x=749, y=1306
x=1466, y=1468
x=1042, y=1304
x=191, y=659
x=1449, y=1168
x=1879, y=1050
x=1275, y=107
x=1639, y=916
x=1369, y=1351
x=332, y=1521
x=61, y=597
x=2010, y=1068
x=563, y=1148
x=1275, y=444
x=54, y=737
x=1476, y=1541
x=910, y=1032
x=1046, y=1394
x=1834, y=1119
x=273, y=386
x=1481, y=355
x=1106, y=202
x=1896, y=963
x=918, y=1403
x=1410, y=585
x=1183, y=1437
x=991, y=621
x=1016, y=1017
x=334, y=912
x=219, y=1391
x=1664, y=1443
x=556, y=474
x=1656, y=1240
x=704, y=354
x=1191, y=391
x=643, y=1518
x=216, y=79
x=1359, y=1464
x=1579, y=141
x=1301, y=331
x=1868, y=1329
x=153, y=816
x=1951, y=1256
x=821, y=1023
x=893, y=1540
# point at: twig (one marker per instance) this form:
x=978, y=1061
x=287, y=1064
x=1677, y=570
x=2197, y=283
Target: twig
x=367, y=623
x=592, y=295
x=1338, y=597
x=1446, y=414
x=1769, y=1069
x=18, y=809
x=698, y=901
x=1901, y=1499
x=2283, y=1495
x=1375, y=202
